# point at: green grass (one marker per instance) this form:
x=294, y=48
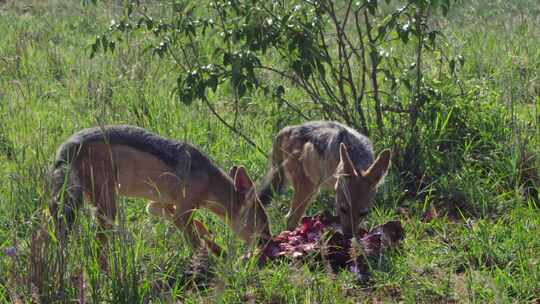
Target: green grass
x=490, y=252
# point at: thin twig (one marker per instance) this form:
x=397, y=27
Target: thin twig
x=230, y=127
x=374, y=81
x=362, y=59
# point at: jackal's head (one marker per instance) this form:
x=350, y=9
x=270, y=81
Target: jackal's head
x=249, y=220
x=355, y=189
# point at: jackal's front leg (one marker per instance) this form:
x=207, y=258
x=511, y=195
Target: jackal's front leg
x=164, y=210
x=192, y=229
x=183, y=219
x=303, y=190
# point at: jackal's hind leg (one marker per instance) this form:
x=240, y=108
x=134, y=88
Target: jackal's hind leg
x=103, y=196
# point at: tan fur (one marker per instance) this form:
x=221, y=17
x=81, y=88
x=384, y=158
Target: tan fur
x=308, y=170
x=109, y=170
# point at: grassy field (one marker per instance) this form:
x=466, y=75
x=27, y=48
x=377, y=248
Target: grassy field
x=483, y=244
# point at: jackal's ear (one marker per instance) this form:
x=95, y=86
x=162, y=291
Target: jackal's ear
x=242, y=182
x=379, y=168
x=232, y=171
x=345, y=160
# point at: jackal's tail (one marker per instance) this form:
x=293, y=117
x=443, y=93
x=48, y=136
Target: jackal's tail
x=66, y=198
x=274, y=180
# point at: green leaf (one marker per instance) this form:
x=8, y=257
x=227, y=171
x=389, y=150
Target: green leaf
x=372, y=6
x=374, y=55
x=432, y=36
x=149, y=23
x=227, y=58
x=307, y=70
x=279, y=91
x=382, y=30
x=104, y=43
x=403, y=32
x=445, y=6
x=241, y=89
x=461, y=60
x=407, y=83
x=389, y=76
x=213, y=82
x=95, y=48
x=452, y=65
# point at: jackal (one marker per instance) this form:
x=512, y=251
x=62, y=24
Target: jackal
x=175, y=176
x=325, y=154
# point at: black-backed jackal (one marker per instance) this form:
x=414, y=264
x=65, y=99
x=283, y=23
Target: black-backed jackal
x=175, y=176
x=325, y=154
